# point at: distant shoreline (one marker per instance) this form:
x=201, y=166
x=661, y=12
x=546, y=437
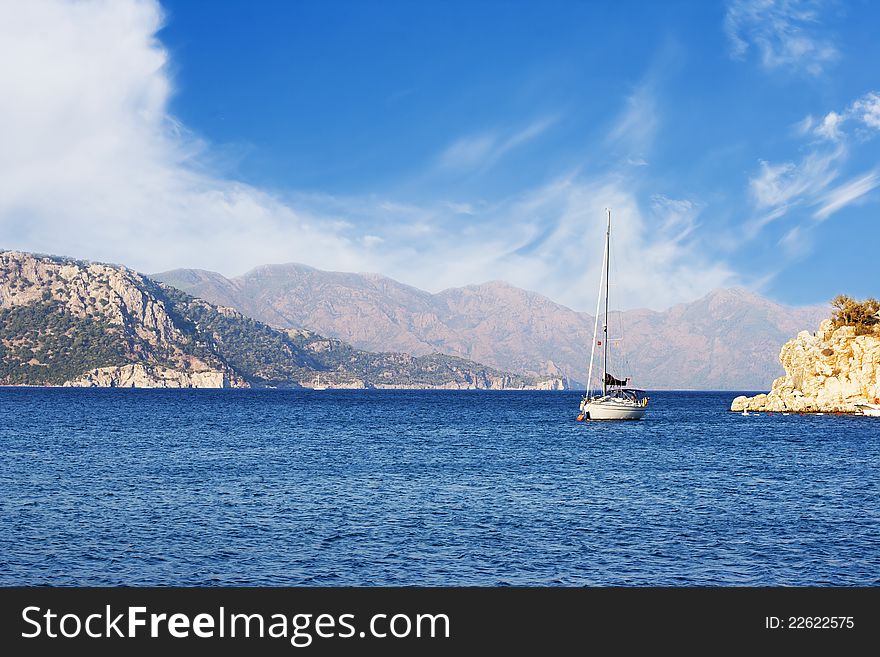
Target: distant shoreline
x=331, y=389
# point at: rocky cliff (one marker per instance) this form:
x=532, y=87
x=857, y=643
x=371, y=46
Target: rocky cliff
x=67, y=322
x=830, y=370
x=63, y=320
x=138, y=375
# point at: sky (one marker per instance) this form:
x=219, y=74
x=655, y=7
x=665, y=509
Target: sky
x=452, y=143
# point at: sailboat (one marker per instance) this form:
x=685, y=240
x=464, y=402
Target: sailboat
x=871, y=410
x=616, y=401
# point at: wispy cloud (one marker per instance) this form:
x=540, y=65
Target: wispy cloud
x=778, y=188
x=636, y=126
x=481, y=151
x=780, y=185
x=676, y=219
x=546, y=239
x=754, y=226
x=785, y=33
x=845, y=194
x=796, y=243
x=468, y=152
x=461, y=208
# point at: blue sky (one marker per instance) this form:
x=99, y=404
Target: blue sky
x=451, y=143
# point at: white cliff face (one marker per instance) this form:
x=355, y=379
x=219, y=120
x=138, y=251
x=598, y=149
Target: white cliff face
x=831, y=370
x=137, y=375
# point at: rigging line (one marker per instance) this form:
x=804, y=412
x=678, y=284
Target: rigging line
x=620, y=360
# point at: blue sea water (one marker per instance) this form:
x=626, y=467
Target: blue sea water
x=225, y=487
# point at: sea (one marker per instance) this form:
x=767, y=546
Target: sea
x=428, y=488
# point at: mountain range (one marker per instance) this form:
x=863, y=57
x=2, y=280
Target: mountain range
x=69, y=322
x=727, y=340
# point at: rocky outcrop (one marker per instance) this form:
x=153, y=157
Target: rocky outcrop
x=110, y=292
x=831, y=370
x=141, y=376
x=128, y=305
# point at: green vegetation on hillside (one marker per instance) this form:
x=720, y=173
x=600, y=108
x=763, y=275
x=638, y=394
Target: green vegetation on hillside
x=256, y=351
x=44, y=343
x=863, y=315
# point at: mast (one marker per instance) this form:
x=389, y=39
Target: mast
x=596, y=323
x=605, y=325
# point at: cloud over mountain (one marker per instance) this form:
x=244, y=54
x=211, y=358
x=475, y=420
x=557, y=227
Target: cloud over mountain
x=94, y=163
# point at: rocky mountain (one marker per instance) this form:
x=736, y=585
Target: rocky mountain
x=67, y=322
x=727, y=340
x=830, y=370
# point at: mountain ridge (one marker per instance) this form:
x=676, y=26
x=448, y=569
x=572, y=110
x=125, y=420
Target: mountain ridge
x=727, y=340
x=72, y=322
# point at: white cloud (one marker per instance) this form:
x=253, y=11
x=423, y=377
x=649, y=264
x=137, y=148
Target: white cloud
x=93, y=166
x=780, y=185
x=867, y=109
x=796, y=242
x=676, y=219
x=779, y=188
x=371, y=240
x=864, y=112
x=754, y=226
x=830, y=126
x=784, y=32
x=483, y=150
x=636, y=126
x=461, y=208
x=468, y=152
x=843, y=195
x=804, y=126
x=549, y=239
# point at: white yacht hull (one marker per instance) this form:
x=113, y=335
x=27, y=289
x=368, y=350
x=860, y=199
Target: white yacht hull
x=611, y=410
x=871, y=410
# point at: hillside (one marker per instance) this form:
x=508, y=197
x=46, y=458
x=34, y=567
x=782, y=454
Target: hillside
x=67, y=322
x=729, y=339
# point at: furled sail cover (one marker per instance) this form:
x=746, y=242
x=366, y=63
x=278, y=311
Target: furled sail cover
x=611, y=381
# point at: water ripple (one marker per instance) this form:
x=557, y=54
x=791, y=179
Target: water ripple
x=156, y=487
